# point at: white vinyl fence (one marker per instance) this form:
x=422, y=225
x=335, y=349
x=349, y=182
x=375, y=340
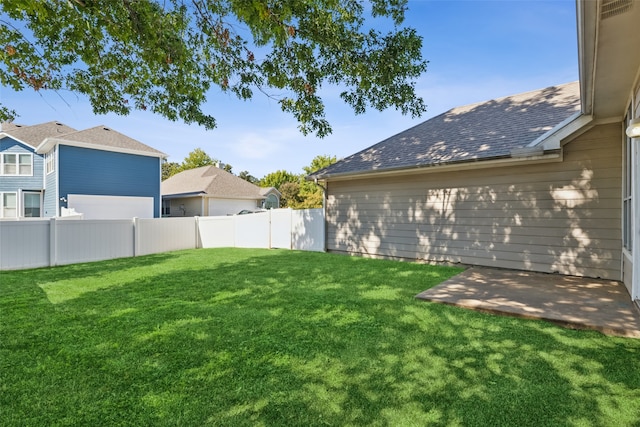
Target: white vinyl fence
x=56, y=241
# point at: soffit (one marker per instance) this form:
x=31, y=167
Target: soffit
x=616, y=56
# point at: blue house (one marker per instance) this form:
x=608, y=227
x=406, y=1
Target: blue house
x=51, y=170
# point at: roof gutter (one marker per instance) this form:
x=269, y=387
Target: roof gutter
x=587, y=24
x=515, y=158
x=182, y=195
x=49, y=143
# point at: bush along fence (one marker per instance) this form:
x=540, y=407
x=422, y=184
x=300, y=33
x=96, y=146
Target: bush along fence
x=57, y=241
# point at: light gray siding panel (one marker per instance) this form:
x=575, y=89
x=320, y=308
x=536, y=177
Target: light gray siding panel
x=555, y=217
x=50, y=201
x=22, y=182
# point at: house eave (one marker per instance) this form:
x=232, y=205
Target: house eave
x=18, y=140
x=210, y=196
x=183, y=195
x=220, y=196
x=607, y=57
x=586, y=22
x=503, y=161
x=563, y=132
x=49, y=143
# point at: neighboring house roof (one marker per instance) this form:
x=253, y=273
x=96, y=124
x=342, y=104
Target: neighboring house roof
x=265, y=191
x=45, y=136
x=487, y=130
x=34, y=135
x=210, y=181
x=100, y=138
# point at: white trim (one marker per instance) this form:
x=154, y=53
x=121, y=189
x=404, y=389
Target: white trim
x=635, y=222
x=57, y=182
x=17, y=164
x=551, y=139
x=23, y=207
x=2, y=207
x=19, y=141
x=49, y=157
x=411, y=170
x=48, y=143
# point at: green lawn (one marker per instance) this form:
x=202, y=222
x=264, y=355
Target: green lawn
x=277, y=338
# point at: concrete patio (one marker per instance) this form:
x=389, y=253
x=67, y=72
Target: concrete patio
x=573, y=302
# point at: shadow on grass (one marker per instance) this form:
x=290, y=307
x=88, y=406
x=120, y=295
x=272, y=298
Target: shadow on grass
x=245, y=337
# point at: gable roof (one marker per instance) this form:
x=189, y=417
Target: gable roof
x=100, y=138
x=486, y=130
x=34, y=135
x=44, y=136
x=210, y=181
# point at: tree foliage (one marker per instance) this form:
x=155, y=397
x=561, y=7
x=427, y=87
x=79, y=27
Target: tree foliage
x=169, y=169
x=290, y=194
x=167, y=55
x=297, y=192
x=277, y=178
x=311, y=195
x=195, y=159
x=319, y=162
x=248, y=177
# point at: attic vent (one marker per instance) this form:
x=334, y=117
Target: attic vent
x=615, y=7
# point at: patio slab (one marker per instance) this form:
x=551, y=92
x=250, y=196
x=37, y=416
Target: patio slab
x=573, y=302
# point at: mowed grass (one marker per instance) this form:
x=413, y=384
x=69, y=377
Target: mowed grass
x=242, y=337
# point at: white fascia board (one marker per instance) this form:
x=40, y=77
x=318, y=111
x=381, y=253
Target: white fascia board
x=550, y=157
x=587, y=26
x=49, y=143
x=231, y=197
x=552, y=139
x=29, y=146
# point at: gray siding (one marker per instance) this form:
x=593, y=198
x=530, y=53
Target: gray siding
x=192, y=207
x=557, y=217
x=50, y=200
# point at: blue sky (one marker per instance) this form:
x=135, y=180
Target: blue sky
x=477, y=50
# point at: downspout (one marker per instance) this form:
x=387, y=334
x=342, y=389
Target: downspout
x=635, y=202
x=324, y=212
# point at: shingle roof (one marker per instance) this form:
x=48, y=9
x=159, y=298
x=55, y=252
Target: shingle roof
x=8, y=126
x=34, y=135
x=107, y=137
x=212, y=181
x=481, y=131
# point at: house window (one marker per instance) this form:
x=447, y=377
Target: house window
x=8, y=205
x=17, y=164
x=166, y=208
x=271, y=202
x=31, y=205
x=49, y=162
x=627, y=219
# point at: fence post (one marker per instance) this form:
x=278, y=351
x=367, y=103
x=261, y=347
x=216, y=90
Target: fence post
x=136, y=236
x=270, y=211
x=198, y=239
x=291, y=229
x=53, y=256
